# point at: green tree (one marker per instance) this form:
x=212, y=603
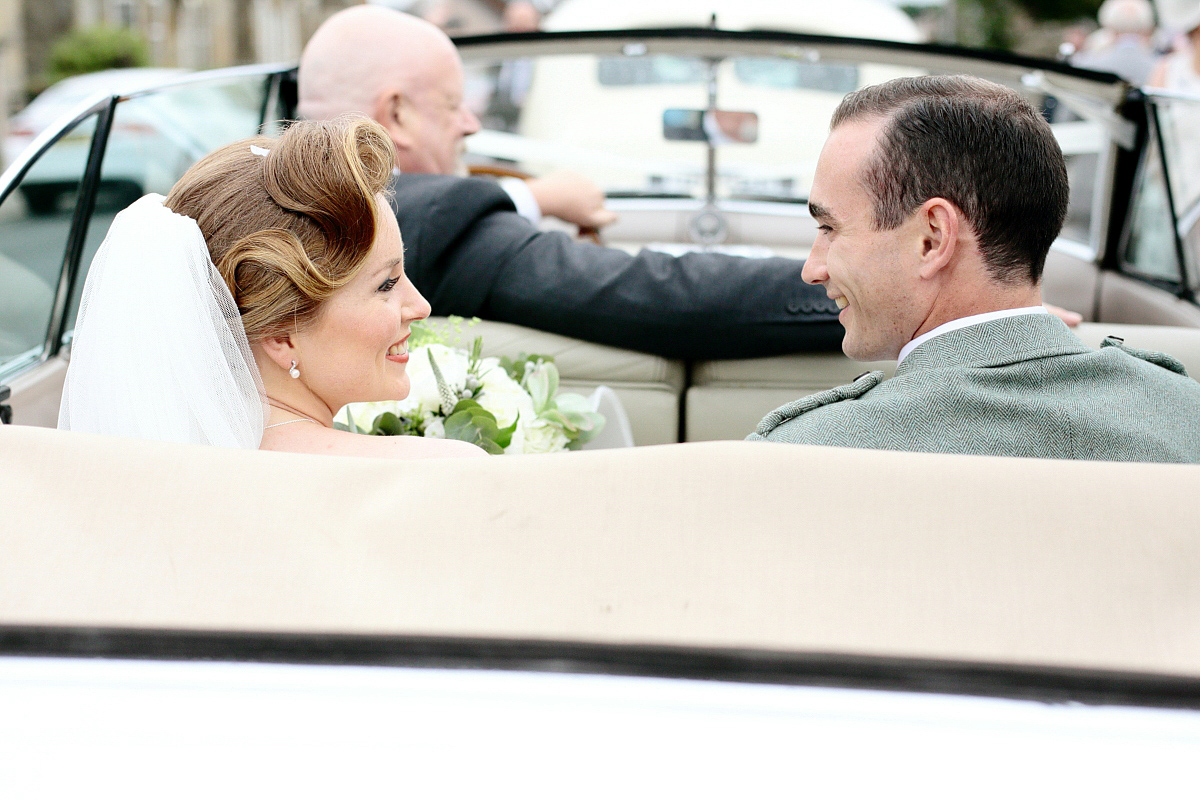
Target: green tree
x=1058, y=10
x=989, y=23
x=93, y=49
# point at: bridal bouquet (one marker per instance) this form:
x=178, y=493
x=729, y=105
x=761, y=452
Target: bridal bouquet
x=503, y=405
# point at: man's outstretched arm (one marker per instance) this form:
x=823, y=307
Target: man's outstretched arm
x=471, y=254
x=695, y=306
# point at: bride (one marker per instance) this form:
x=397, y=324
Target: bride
x=265, y=292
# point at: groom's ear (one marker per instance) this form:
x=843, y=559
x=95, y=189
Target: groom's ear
x=280, y=350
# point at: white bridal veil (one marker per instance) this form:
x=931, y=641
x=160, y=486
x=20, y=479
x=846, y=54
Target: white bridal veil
x=159, y=349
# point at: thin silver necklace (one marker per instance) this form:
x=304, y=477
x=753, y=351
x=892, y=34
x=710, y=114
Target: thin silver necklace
x=289, y=422
x=302, y=417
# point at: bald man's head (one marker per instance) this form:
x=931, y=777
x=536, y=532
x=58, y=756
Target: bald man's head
x=397, y=69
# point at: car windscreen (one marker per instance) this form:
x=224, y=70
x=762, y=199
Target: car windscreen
x=600, y=111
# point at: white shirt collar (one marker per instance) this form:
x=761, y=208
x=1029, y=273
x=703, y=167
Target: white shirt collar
x=963, y=322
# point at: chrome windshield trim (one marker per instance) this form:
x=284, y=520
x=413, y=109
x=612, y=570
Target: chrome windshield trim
x=1189, y=219
x=84, y=206
x=21, y=363
x=204, y=76
x=47, y=138
x=1170, y=94
x=1120, y=130
x=782, y=208
x=1107, y=87
x=1102, y=193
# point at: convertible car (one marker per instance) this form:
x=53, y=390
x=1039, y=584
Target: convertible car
x=634, y=111
x=712, y=617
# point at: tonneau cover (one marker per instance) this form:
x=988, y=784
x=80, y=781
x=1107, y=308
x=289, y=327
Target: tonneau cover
x=719, y=544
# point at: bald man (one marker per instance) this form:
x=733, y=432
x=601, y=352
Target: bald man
x=470, y=253
x=416, y=92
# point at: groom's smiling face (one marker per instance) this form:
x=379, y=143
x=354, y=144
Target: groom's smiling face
x=357, y=347
x=872, y=274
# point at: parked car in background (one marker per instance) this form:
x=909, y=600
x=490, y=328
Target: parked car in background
x=55, y=177
x=154, y=136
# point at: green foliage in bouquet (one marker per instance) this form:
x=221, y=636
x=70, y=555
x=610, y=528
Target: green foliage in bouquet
x=569, y=412
x=465, y=418
x=473, y=423
x=466, y=411
x=450, y=333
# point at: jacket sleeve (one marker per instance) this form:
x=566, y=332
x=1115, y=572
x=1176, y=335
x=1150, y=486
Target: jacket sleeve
x=695, y=306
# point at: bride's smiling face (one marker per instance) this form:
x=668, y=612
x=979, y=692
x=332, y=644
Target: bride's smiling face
x=357, y=347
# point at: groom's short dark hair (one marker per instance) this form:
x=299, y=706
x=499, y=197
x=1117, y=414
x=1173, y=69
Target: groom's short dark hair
x=977, y=144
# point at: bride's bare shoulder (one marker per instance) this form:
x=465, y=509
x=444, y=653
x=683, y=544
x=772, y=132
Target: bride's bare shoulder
x=323, y=441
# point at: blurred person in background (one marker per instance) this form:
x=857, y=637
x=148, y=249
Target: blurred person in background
x=1123, y=45
x=1074, y=40
x=1180, y=70
x=521, y=16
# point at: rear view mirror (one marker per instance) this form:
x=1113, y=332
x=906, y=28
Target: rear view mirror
x=712, y=126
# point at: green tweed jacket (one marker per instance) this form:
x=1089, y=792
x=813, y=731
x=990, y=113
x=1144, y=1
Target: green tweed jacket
x=1016, y=386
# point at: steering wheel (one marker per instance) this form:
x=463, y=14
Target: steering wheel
x=588, y=232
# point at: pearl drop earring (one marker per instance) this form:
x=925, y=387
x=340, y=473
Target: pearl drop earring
x=295, y=373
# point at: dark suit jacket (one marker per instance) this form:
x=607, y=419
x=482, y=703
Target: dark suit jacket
x=471, y=254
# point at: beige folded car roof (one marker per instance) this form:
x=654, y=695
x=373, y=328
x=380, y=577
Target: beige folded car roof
x=721, y=544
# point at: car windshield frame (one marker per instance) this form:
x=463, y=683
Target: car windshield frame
x=1010, y=66
x=1185, y=212
x=1100, y=96
x=1097, y=97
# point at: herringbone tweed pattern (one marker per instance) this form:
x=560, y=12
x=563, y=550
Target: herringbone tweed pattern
x=1017, y=386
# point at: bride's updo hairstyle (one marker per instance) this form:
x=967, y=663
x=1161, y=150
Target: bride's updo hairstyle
x=289, y=228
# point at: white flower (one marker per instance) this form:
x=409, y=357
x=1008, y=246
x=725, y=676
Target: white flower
x=507, y=401
x=516, y=445
x=435, y=428
x=544, y=437
x=503, y=396
x=423, y=393
x=364, y=414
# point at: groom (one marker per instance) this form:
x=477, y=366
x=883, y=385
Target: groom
x=937, y=199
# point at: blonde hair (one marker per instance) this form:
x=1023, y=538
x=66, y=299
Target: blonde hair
x=288, y=229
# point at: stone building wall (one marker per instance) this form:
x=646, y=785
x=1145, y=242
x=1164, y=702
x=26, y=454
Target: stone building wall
x=202, y=34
